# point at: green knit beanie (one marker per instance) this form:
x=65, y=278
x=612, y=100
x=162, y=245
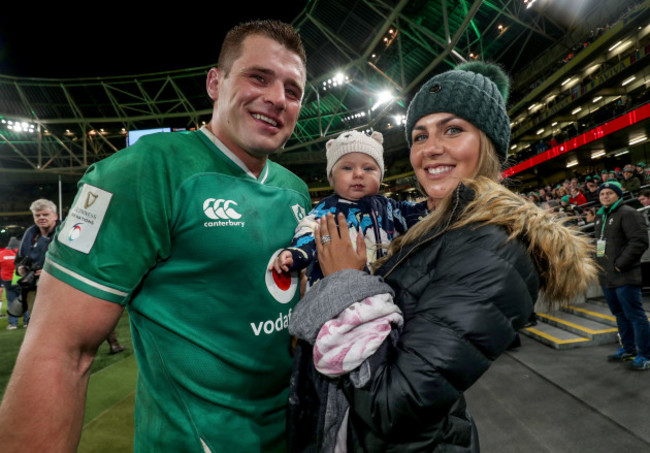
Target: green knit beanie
x=476, y=92
x=613, y=185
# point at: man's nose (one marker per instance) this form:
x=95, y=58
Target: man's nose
x=275, y=94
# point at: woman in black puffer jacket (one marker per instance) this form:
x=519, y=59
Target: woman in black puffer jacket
x=465, y=279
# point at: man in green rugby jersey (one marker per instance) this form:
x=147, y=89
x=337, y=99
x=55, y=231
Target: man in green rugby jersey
x=180, y=229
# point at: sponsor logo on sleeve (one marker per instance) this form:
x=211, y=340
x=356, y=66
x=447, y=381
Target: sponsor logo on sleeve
x=80, y=229
x=75, y=232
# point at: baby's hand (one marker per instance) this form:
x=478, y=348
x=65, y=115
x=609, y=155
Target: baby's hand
x=282, y=262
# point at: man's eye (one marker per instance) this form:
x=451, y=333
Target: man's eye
x=293, y=93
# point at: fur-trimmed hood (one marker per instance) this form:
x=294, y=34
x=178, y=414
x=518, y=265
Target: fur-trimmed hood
x=562, y=254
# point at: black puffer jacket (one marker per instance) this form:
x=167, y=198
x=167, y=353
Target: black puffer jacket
x=464, y=293
x=626, y=237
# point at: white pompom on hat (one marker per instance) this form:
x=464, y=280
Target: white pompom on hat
x=355, y=142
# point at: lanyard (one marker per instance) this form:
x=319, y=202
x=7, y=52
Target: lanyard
x=605, y=211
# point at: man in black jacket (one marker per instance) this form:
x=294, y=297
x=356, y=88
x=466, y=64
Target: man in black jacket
x=630, y=182
x=621, y=240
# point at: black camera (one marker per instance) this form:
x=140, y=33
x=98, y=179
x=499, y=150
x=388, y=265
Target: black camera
x=28, y=281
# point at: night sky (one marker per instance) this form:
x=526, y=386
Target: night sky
x=60, y=42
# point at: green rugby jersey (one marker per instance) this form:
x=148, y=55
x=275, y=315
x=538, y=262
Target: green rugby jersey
x=178, y=232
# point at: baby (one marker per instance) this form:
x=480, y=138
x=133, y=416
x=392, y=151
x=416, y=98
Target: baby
x=355, y=168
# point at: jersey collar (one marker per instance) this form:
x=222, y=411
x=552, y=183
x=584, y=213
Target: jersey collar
x=236, y=160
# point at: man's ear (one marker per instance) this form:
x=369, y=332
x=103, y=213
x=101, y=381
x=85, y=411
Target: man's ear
x=213, y=83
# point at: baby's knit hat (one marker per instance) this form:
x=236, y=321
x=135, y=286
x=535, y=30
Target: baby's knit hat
x=613, y=185
x=355, y=142
x=476, y=92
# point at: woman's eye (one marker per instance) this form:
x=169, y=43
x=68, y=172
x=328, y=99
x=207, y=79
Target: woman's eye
x=453, y=130
x=419, y=137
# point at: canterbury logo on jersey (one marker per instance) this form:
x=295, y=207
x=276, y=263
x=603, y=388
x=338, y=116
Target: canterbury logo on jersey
x=223, y=212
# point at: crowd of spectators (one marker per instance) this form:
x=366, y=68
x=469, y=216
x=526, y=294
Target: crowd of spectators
x=577, y=198
x=607, y=112
x=594, y=34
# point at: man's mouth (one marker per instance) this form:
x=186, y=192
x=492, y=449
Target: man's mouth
x=266, y=119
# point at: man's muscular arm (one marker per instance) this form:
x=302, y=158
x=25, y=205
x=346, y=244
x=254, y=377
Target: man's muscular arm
x=43, y=405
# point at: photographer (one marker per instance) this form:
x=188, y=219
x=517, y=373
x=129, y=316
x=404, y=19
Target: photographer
x=31, y=253
x=30, y=258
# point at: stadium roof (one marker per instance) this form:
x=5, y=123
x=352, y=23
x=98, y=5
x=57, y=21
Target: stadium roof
x=358, y=52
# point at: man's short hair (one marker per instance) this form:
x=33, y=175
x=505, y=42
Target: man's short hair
x=281, y=32
x=41, y=205
x=645, y=193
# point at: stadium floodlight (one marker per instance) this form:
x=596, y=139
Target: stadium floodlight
x=19, y=126
x=400, y=119
x=383, y=97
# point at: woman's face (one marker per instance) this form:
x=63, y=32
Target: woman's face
x=445, y=149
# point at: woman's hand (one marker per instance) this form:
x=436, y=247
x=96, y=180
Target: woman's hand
x=337, y=253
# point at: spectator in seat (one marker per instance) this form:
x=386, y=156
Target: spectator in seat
x=630, y=182
x=591, y=194
x=577, y=197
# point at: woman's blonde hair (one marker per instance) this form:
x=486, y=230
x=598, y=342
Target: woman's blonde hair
x=488, y=166
x=562, y=255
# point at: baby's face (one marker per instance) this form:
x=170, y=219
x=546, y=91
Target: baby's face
x=356, y=175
